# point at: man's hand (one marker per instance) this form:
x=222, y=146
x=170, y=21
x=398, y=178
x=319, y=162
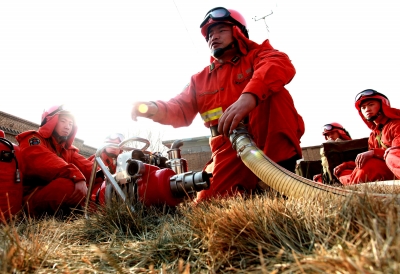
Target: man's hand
x=143, y=109
x=338, y=169
x=80, y=190
x=345, y=165
x=235, y=113
x=362, y=158
x=317, y=177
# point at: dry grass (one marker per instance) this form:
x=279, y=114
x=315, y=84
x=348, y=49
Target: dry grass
x=261, y=234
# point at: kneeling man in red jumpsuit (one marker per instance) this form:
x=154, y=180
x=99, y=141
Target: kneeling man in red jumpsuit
x=244, y=82
x=55, y=175
x=382, y=160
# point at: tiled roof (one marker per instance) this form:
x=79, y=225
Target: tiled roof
x=19, y=119
x=9, y=130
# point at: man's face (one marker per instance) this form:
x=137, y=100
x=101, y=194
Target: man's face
x=220, y=36
x=332, y=136
x=370, y=108
x=64, y=125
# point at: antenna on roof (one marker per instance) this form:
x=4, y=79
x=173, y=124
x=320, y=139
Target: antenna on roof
x=264, y=17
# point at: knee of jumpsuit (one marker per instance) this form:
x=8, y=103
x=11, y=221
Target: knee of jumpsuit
x=393, y=162
x=373, y=170
x=55, y=194
x=345, y=176
x=230, y=175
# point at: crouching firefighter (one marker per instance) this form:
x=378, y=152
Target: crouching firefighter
x=381, y=161
x=244, y=81
x=55, y=173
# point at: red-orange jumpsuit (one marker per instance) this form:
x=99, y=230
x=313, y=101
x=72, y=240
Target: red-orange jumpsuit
x=275, y=125
x=51, y=169
x=107, y=160
x=99, y=188
x=385, y=137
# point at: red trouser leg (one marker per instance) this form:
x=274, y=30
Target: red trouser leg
x=230, y=175
x=99, y=193
x=345, y=176
x=50, y=198
x=102, y=194
x=393, y=162
x=373, y=170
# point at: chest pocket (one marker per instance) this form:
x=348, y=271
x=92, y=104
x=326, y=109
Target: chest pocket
x=243, y=76
x=208, y=92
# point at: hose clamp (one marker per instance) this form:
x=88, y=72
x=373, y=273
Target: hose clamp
x=242, y=148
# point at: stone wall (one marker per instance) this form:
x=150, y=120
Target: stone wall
x=311, y=153
x=197, y=152
x=12, y=126
x=197, y=161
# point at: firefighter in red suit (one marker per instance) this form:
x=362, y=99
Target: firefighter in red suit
x=333, y=132
x=245, y=82
x=109, y=157
x=381, y=161
x=55, y=173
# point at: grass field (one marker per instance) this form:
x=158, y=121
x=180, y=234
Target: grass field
x=259, y=234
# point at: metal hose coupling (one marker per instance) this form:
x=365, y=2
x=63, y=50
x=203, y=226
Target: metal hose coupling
x=175, y=162
x=238, y=135
x=188, y=183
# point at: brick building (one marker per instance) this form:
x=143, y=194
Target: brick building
x=197, y=152
x=12, y=126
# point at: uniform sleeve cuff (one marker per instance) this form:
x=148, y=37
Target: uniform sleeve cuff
x=379, y=152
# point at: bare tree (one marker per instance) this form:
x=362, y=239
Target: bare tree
x=153, y=136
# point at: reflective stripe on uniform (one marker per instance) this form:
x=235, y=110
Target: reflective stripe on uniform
x=212, y=114
x=380, y=142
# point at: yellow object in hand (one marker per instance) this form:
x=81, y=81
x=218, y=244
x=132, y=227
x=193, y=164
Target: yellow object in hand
x=143, y=108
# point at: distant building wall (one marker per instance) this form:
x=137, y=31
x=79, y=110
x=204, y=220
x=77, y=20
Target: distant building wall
x=311, y=153
x=197, y=152
x=13, y=125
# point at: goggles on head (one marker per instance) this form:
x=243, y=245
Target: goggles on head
x=329, y=127
x=368, y=92
x=60, y=108
x=219, y=14
x=115, y=136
